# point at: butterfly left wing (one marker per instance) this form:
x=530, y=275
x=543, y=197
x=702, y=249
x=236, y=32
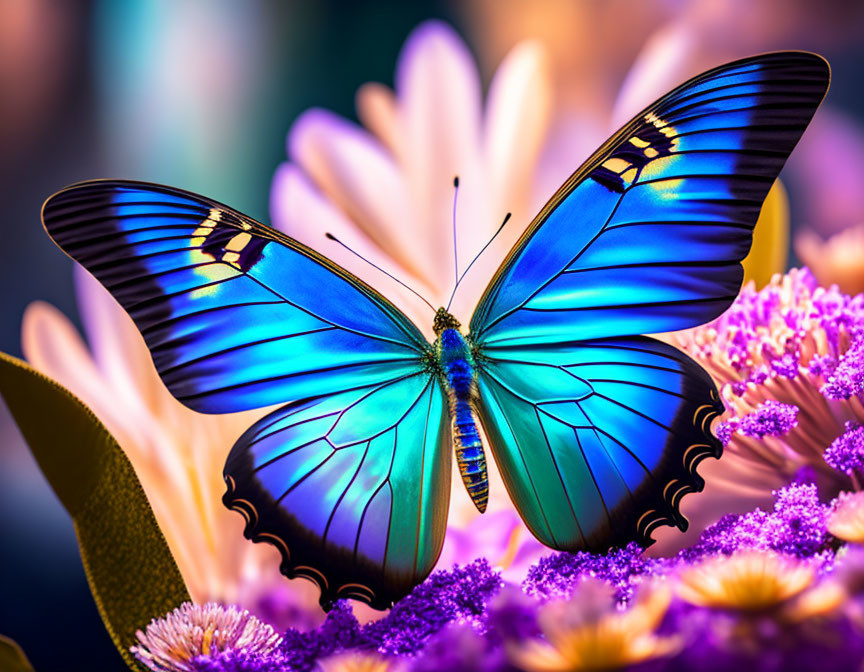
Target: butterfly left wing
x=352, y=488
x=647, y=236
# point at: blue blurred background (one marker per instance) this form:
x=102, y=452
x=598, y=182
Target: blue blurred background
x=200, y=95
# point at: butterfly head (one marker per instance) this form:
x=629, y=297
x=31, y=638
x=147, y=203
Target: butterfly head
x=444, y=320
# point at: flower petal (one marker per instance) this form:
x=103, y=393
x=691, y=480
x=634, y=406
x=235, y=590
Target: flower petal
x=836, y=261
x=302, y=212
x=518, y=112
x=53, y=346
x=376, y=109
x=669, y=57
x=358, y=175
x=438, y=93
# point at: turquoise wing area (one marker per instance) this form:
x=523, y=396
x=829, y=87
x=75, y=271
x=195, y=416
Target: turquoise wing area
x=352, y=488
x=649, y=234
x=598, y=441
x=236, y=315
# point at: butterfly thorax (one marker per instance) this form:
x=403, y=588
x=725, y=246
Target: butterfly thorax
x=458, y=374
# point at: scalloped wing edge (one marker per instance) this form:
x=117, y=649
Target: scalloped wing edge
x=258, y=532
x=665, y=509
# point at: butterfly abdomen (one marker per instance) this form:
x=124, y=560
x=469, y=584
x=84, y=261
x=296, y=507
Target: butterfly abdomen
x=457, y=366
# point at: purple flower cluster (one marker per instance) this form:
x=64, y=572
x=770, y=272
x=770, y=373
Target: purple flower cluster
x=447, y=598
x=769, y=334
x=455, y=596
x=847, y=377
x=771, y=418
x=846, y=452
x=796, y=526
x=559, y=575
x=462, y=619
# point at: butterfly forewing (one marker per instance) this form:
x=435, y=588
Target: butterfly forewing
x=649, y=234
x=236, y=315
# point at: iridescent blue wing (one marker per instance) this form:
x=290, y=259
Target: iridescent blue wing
x=646, y=237
x=597, y=441
x=236, y=315
x=352, y=488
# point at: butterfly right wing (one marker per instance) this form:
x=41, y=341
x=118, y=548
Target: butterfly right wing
x=352, y=488
x=235, y=314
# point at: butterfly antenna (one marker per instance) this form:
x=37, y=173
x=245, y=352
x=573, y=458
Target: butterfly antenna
x=465, y=272
x=389, y=275
x=455, y=247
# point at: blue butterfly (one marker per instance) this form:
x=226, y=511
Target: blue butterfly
x=596, y=430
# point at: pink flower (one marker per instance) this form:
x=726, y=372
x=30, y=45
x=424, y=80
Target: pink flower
x=171, y=643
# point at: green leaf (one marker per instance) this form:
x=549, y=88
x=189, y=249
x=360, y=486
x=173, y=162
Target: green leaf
x=132, y=575
x=12, y=658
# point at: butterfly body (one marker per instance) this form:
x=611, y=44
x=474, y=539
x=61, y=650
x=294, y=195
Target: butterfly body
x=595, y=429
x=458, y=375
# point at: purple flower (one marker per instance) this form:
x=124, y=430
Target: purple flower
x=459, y=648
x=559, y=574
x=240, y=661
x=789, y=361
x=796, y=526
x=771, y=418
x=847, y=379
x=512, y=615
x=846, y=452
x=340, y=631
x=458, y=595
x=452, y=596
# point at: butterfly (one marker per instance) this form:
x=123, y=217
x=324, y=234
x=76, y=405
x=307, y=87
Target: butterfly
x=596, y=430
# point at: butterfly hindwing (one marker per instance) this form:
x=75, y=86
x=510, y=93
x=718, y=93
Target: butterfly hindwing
x=597, y=441
x=352, y=488
x=236, y=315
x=649, y=234
x=597, y=431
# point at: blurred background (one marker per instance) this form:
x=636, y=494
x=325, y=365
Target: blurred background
x=201, y=94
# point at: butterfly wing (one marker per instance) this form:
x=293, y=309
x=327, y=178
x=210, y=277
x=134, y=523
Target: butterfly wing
x=351, y=481
x=235, y=314
x=598, y=441
x=647, y=236
x=352, y=488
